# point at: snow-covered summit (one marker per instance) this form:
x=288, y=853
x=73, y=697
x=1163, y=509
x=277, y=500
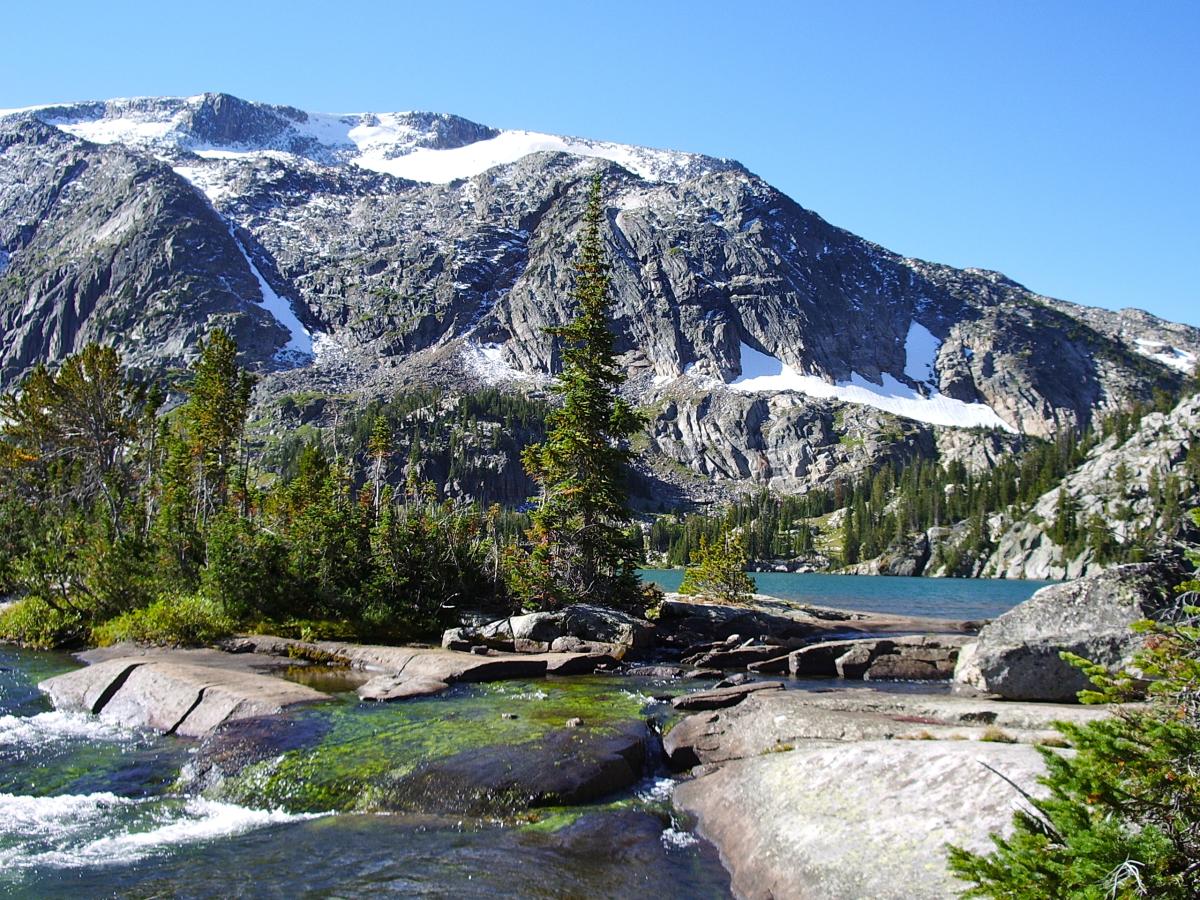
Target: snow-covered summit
x=421, y=146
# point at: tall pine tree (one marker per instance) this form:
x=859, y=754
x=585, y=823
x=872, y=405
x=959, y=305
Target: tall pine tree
x=580, y=546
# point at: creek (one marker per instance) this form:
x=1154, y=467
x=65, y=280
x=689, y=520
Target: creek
x=341, y=805
x=90, y=809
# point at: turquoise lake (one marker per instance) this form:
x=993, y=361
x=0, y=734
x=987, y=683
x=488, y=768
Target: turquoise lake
x=941, y=598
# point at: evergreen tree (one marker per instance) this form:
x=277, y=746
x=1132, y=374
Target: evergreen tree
x=580, y=549
x=719, y=570
x=215, y=417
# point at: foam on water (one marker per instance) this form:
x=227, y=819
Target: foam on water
x=56, y=816
x=71, y=831
x=57, y=726
x=203, y=820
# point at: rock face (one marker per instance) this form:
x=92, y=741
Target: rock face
x=172, y=697
x=1124, y=503
x=1017, y=655
x=862, y=820
x=408, y=272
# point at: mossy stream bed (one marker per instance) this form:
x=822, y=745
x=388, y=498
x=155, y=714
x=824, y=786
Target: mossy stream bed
x=476, y=792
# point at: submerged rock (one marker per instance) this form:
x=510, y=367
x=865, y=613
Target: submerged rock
x=397, y=687
x=1018, y=656
x=563, y=767
x=237, y=744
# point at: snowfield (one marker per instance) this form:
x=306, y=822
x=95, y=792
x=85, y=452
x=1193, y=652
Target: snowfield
x=1178, y=359
x=766, y=374
x=381, y=142
x=299, y=348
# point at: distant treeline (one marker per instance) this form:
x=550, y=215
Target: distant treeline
x=884, y=509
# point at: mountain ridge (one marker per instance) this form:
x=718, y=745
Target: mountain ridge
x=392, y=280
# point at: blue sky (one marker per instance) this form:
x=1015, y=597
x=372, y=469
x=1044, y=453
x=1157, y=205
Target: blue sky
x=1056, y=141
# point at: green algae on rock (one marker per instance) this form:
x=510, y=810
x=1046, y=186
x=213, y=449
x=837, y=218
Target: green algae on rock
x=365, y=751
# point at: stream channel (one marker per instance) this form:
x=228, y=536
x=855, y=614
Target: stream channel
x=338, y=807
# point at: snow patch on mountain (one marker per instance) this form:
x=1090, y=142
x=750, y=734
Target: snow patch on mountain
x=393, y=143
x=298, y=350
x=487, y=362
x=209, y=181
x=920, y=354
x=766, y=374
x=119, y=130
x=443, y=166
x=1164, y=353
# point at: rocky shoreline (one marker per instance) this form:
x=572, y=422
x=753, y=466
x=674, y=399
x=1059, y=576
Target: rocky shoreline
x=841, y=790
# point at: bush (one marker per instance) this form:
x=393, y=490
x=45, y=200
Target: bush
x=247, y=569
x=187, y=619
x=32, y=622
x=719, y=571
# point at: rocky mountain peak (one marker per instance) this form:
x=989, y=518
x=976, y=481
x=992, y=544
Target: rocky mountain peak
x=354, y=252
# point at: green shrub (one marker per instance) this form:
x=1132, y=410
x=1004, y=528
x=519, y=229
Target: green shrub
x=247, y=569
x=308, y=629
x=718, y=571
x=188, y=619
x=33, y=622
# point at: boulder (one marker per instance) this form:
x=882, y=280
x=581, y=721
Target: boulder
x=1017, y=656
x=595, y=625
x=868, y=819
x=694, y=622
x=768, y=721
x=564, y=767
x=733, y=659
x=398, y=687
x=173, y=697
x=570, y=644
x=773, y=665
x=694, y=626
x=722, y=697
x=656, y=671
x=912, y=658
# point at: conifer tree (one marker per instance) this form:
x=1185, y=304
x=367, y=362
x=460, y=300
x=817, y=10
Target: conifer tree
x=216, y=418
x=719, y=570
x=580, y=549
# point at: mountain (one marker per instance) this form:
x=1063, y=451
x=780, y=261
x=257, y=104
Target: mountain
x=356, y=254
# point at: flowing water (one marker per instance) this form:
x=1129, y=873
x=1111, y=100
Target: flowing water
x=89, y=809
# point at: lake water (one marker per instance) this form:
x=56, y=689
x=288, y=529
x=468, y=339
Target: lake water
x=941, y=598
